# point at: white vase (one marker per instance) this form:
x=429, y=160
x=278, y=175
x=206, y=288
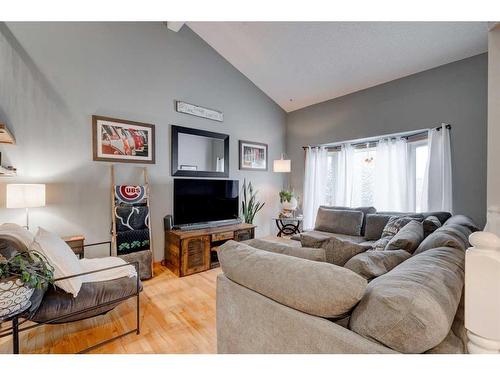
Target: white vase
x=290, y=206
x=14, y=296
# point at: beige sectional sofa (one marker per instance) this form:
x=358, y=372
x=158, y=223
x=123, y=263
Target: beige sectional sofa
x=278, y=297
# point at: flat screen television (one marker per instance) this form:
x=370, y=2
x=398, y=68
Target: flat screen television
x=204, y=201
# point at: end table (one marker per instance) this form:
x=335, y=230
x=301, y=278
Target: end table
x=288, y=225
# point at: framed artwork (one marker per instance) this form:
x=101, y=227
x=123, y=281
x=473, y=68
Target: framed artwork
x=122, y=141
x=253, y=156
x=196, y=110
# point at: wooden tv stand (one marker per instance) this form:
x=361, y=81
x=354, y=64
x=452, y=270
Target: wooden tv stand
x=192, y=251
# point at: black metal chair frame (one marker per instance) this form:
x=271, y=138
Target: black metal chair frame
x=16, y=328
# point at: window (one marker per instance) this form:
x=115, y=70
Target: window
x=419, y=153
x=363, y=170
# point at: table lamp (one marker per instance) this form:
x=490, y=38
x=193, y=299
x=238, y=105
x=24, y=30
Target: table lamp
x=25, y=196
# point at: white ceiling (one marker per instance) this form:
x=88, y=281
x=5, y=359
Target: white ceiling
x=302, y=63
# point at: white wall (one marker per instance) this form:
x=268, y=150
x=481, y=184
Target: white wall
x=493, y=196
x=55, y=76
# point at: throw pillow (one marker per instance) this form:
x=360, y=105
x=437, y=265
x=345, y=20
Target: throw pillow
x=337, y=251
x=430, y=223
x=395, y=223
x=313, y=239
x=372, y=264
x=381, y=243
x=21, y=234
x=61, y=257
x=408, y=238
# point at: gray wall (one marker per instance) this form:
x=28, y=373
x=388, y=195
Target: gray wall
x=55, y=76
x=455, y=93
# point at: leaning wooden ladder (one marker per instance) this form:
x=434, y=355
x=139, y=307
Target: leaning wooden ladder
x=114, y=249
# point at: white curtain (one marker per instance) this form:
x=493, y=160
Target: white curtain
x=314, y=183
x=391, y=175
x=343, y=179
x=437, y=192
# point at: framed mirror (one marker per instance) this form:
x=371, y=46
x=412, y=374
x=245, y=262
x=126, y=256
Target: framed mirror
x=199, y=153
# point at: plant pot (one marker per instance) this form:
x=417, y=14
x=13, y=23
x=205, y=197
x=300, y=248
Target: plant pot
x=290, y=206
x=14, y=296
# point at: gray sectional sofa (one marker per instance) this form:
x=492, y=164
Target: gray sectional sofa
x=332, y=290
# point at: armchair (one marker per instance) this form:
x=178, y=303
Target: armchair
x=95, y=298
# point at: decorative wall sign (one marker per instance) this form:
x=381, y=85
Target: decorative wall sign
x=198, y=111
x=123, y=141
x=253, y=156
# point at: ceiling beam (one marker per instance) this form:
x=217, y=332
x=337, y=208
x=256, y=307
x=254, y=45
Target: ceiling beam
x=174, y=26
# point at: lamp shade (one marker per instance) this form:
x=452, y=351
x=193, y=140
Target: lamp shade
x=282, y=165
x=25, y=195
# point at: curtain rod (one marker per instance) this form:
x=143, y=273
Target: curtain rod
x=372, y=140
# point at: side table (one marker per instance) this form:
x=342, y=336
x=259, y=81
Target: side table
x=288, y=225
x=76, y=244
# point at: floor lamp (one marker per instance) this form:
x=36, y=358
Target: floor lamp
x=25, y=196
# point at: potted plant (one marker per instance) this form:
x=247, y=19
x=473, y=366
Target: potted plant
x=288, y=200
x=20, y=275
x=250, y=205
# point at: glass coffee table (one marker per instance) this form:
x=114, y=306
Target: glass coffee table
x=288, y=226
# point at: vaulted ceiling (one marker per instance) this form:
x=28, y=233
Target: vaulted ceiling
x=298, y=64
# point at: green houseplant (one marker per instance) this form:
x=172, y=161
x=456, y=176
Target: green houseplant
x=250, y=205
x=288, y=200
x=20, y=275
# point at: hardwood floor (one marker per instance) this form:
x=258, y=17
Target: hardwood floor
x=177, y=316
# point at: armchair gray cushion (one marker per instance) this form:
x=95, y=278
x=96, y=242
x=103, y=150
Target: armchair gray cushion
x=57, y=303
x=339, y=221
x=411, y=308
x=316, y=254
x=316, y=288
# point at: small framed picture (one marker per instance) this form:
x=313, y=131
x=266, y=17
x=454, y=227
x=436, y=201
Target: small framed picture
x=122, y=141
x=253, y=156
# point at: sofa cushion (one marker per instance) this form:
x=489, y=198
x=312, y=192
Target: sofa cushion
x=446, y=236
x=408, y=237
x=337, y=250
x=364, y=210
x=431, y=223
x=320, y=234
x=463, y=220
x=316, y=254
x=316, y=288
x=375, y=224
x=371, y=264
x=411, y=308
x=339, y=221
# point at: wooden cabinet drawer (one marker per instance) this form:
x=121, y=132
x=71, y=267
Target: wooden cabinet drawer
x=243, y=235
x=223, y=236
